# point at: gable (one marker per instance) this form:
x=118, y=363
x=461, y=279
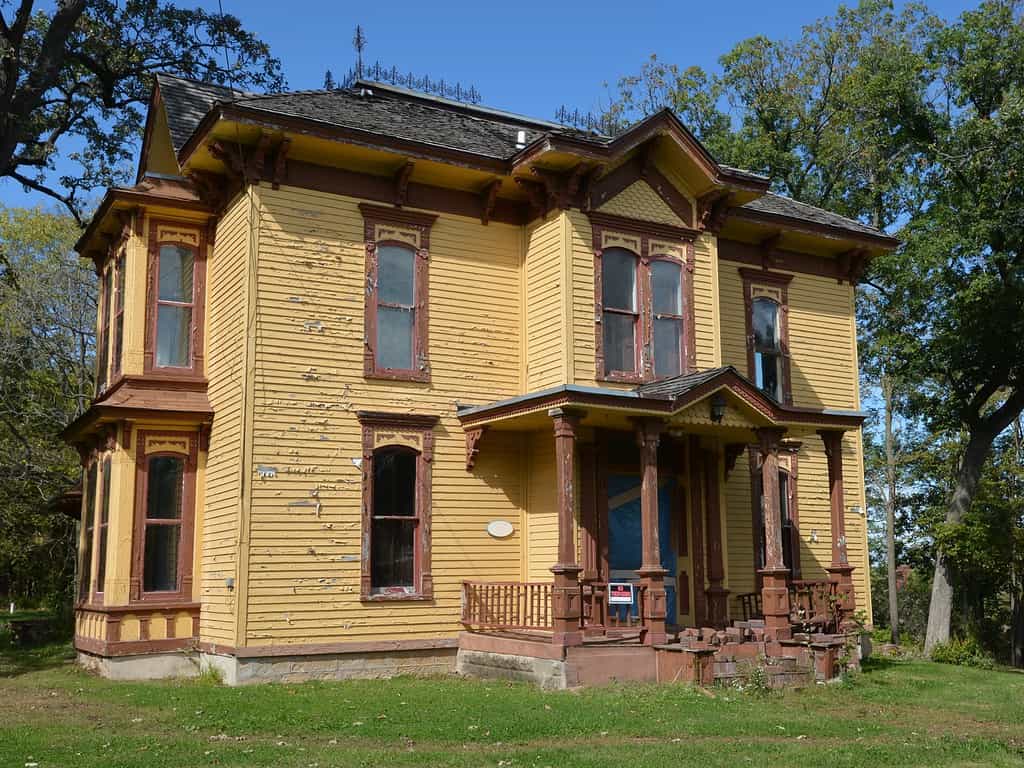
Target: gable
x=158, y=152
x=640, y=201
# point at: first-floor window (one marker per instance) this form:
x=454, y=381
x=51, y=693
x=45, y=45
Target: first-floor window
x=102, y=525
x=790, y=542
x=165, y=489
x=395, y=524
x=88, y=530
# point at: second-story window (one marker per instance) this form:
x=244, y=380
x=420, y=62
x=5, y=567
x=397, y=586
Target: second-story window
x=103, y=331
x=175, y=304
x=117, y=322
x=667, y=316
x=767, y=347
x=620, y=320
x=396, y=307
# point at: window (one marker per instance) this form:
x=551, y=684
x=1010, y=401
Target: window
x=765, y=296
x=104, y=520
x=176, y=278
x=395, y=526
x=396, y=307
x=175, y=304
x=643, y=299
x=397, y=295
x=397, y=455
x=88, y=531
x=619, y=307
x=164, y=515
x=667, y=311
x=118, y=320
x=103, y=332
x=767, y=347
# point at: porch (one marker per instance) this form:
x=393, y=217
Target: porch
x=657, y=580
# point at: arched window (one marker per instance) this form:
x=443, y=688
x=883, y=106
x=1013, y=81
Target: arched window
x=767, y=347
x=395, y=522
x=619, y=310
x=667, y=311
x=396, y=307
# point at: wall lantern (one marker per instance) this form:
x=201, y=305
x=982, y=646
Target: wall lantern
x=717, y=407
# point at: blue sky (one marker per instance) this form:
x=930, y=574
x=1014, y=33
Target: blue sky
x=527, y=56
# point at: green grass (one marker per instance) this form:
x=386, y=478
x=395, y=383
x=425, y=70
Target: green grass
x=894, y=713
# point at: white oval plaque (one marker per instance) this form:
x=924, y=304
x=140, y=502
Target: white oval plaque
x=499, y=529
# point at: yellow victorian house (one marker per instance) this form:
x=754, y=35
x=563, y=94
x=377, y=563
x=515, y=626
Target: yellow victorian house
x=390, y=383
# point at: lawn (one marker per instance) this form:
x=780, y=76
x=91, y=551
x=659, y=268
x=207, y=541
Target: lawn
x=894, y=713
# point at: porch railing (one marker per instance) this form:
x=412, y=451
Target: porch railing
x=814, y=604
x=600, y=615
x=507, y=605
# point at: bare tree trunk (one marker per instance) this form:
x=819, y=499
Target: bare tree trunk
x=890, y=510
x=941, y=606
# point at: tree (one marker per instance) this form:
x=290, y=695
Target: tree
x=47, y=321
x=79, y=75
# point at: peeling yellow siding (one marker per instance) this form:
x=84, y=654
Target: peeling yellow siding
x=227, y=271
x=639, y=201
x=304, y=556
x=705, y=303
x=544, y=278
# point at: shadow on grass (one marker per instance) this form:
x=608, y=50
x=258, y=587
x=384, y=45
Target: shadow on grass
x=21, y=661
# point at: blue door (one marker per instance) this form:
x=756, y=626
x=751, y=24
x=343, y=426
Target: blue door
x=624, y=545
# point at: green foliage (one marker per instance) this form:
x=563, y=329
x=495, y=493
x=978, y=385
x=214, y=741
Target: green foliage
x=914, y=597
x=79, y=75
x=47, y=316
x=965, y=652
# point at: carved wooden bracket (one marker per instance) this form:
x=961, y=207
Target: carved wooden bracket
x=210, y=187
x=732, y=453
x=850, y=265
x=712, y=210
x=770, y=251
x=537, y=195
x=280, y=162
x=401, y=179
x=488, y=197
x=473, y=445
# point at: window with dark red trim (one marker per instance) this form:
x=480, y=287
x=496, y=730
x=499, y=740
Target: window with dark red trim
x=88, y=531
x=103, y=332
x=766, y=303
x=397, y=293
x=397, y=456
x=118, y=320
x=667, y=321
x=175, y=305
x=767, y=346
x=102, y=525
x=620, y=311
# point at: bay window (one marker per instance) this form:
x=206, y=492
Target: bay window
x=175, y=305
x=102, y=525
x=88, y=532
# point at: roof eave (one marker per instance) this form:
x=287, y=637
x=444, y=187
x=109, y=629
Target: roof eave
x=879, y=241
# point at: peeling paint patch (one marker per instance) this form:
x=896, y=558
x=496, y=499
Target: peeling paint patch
x=313, y=325
x=266, y=473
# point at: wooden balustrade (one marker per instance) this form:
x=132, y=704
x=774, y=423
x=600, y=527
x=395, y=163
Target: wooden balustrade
x=814, y=605
x=507, y=605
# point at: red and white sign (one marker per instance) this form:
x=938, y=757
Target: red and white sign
x=620, y=593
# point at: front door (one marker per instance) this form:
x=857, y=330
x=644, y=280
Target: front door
x=624, y=533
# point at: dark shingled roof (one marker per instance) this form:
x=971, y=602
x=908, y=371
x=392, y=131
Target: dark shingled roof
x=678, y=386
x=410, y=115
x=187, y=102
x=778, y=205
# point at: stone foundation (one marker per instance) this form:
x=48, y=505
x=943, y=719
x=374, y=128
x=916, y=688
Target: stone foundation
x=549, y=674
x=339, y=666
x=148, y=666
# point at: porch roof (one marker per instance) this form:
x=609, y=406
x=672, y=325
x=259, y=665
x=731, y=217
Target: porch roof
x=664, y=398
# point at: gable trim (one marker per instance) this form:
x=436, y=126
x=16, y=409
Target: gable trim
x=640, y=168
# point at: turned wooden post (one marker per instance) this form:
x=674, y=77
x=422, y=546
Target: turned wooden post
x=774, y=575
x=718, y=595
x=651, y=572
x=566, y=596
x=840, y=571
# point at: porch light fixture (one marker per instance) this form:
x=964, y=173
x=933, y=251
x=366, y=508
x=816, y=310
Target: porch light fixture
x=717, y=407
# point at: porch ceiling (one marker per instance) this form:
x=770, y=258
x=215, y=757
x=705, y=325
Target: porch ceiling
x=683, y=401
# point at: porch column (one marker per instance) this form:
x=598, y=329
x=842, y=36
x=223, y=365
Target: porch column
x=840, y=570
x=774, y=589
x=651, y=573
x=718, y=595
x=565, y=597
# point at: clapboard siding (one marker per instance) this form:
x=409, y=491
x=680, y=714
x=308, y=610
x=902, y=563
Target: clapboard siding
x=304, y=558
x=227, y=270
x=705, y=303
x=541, y=507
x=543, y=276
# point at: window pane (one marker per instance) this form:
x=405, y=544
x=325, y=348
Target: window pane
x=175, y=273
x=165, y=488
x=767, y=374
x=85, y=572
x=101, y=555
x=119, y=295
x=666, y=347
x=173, y=326
x=666, y=287
x=618, y=279
x=396, y=275
x=102, y=358
x=394, y=338
x=394, y=483
x=619, y=342
x=160, y=571
x=392, y=558
x=766, y=324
